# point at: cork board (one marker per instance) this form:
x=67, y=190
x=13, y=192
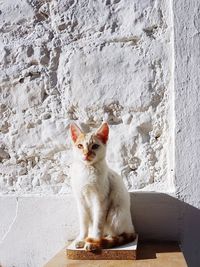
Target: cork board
x=125, y=252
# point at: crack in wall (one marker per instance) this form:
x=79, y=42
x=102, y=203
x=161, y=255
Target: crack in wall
x=12, y=223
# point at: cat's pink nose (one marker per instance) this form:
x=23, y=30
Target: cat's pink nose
x=87, y=155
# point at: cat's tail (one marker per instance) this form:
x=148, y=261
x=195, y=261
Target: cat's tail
x=114, y=241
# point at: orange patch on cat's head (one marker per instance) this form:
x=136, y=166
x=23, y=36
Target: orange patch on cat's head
x=80, y=138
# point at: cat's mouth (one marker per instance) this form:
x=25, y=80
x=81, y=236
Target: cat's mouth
x=88, y=160
x=88, y=157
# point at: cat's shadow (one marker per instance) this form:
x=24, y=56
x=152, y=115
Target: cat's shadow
x=151, y=248
x=162, y=217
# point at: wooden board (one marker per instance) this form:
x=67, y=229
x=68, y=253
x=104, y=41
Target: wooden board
x=125, y=252
x=149, y=254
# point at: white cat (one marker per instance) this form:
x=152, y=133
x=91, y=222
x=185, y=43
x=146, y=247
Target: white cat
x=102, y=199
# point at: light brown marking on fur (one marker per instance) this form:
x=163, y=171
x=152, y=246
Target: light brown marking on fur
x=80, y=138
x=86, y=151
x=92, y=240
x=113, y=241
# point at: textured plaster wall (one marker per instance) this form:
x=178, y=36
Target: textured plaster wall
x=187, y=101
x=187, y=110
x=86, y=61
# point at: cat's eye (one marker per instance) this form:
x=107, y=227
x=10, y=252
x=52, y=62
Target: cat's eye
x=95, y=146
x=80, y=146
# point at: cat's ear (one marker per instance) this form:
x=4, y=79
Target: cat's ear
x=102, y=133
x=75, y=131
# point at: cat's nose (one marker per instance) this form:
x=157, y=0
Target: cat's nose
x=87, y=155
x=85, y=151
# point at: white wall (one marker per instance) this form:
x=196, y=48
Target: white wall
x=34, y=228
x=187, y=111
x=86, y=61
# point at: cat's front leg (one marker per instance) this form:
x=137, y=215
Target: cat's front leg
x=93, y=242
x=83, y=226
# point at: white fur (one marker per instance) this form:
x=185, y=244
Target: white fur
x=102, y=199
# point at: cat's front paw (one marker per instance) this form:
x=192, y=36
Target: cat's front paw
x=79, y=243
x=93, y=247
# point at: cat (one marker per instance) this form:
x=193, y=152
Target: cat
x=102, y=198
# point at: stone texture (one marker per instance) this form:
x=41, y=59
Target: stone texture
x=86, y=61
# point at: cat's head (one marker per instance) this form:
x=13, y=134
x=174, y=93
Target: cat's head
x=89, y=147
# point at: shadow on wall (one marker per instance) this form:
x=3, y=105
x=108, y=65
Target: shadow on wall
x=160, y=216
